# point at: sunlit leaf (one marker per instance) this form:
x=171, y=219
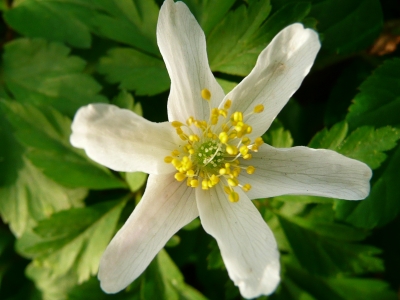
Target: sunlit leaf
x=378, y=103
x=43, y=73
x=46, y=134
x=73, y=240
x=134, y=70
x=130, y=22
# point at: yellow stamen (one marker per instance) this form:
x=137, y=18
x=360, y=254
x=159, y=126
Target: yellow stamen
x=233, y=197
x=246, y=187
x=180, y=176
x=250, y=170
x=206, y=94
x=259, y=108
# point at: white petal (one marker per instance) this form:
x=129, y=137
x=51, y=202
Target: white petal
x=279, y=71
x=123, y=141
x=183, y=46
x=247, y=245
x=166, y=206
x=306, y=171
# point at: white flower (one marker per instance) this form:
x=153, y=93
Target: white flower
x=209, y=161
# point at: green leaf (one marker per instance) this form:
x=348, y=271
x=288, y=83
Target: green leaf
x=125, y=100
x=46, y=134
x=42, y=73
x=367, y=144
x=277, y=136
x=348, y=25
x=51, y=14
x=130, y=22
x=236, y=53
x=133, y=70
x=345, y=89
x=340, y=288
x=76, y=247
x=241, y=24
x=378, y=103
x=226, y=85
x=135, y=180
x=330, y=139
x=163, y=280
x=51, y=288
x=209, y=13
x=26, y=195
x=291, y=291
x=382, y=204
x=325, y=249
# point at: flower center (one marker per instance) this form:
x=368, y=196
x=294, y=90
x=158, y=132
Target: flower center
x=214, y=149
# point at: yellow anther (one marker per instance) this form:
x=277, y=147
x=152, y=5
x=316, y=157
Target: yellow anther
x=259, y=141
x=183, y=137
x=222, y=171
x=179, y=130
x=247, y=156
x=231, y=149
x=227, y=189
x=214, y=120
x=233, y=197
x=194, y=183
x=227, y=165
x=214, y=179
x=236, y=172
x=176, y=163
x=180, y=176
x=233, y=182
x=168, y=159
x=232, y=135
x=176, y=124
x=245, y=141
x=243, y=150
x=194, y=138
x=237, y=116
x=190, y=121
x=250, y=170
x=223, y=137
x=175, y=152
x=249, y=129
x=191, y=151
x=223, y=112
x=246, y=187
x=259, y=108
x=190, y=173
x=204, y=184
x=227, y=104
x=239, y=126
x=225, y=127
x=206, y=94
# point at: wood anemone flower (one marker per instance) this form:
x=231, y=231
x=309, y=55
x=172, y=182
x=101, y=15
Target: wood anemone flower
x=209, y=159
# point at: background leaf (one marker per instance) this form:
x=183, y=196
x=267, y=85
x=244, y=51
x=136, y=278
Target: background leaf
x=42, y=73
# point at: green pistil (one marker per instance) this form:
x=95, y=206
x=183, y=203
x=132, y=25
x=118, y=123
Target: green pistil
x=208, y=157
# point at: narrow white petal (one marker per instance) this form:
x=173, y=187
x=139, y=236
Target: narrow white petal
x=123, y=141
x=247, y=245
x=306, y=171
x=183, y=46
x=279, y=71
x=166, y=206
